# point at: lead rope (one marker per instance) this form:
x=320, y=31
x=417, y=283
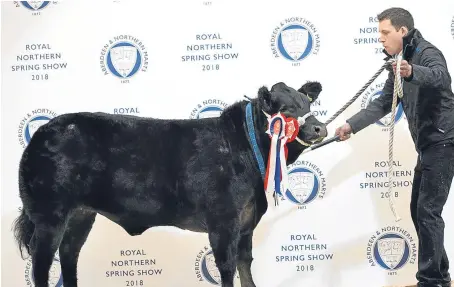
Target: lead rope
x=359, y=93
x=398, y=92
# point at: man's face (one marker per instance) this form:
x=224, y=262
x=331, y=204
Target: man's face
x=390, y=38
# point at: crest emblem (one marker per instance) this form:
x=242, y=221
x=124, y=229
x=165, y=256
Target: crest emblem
x=391, y=251
x=35, y=5
x=301, y=184
x=124, y=59
x=209, y=271
x=295, y=41
x=31, y=123
x=304, y=184
x=34, y=125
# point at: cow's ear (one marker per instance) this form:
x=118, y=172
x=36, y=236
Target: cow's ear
x=264, y=96
x=312, y=90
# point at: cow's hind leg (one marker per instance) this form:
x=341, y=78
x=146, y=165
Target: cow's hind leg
x=44, y=243
x=224, y=237
x=245, y=260
x=77, y=230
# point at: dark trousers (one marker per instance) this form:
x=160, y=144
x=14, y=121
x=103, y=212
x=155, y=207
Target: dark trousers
x=434, y=172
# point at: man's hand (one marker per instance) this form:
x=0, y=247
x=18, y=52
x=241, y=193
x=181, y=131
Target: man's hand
x=344, y=132
x=405, y=68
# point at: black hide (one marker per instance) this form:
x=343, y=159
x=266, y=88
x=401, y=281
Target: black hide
x=200, y=175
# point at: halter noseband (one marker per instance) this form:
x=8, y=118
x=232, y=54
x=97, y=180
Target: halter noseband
x=301, y=121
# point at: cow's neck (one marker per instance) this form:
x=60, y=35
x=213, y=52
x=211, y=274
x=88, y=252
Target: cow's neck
x=256, y=123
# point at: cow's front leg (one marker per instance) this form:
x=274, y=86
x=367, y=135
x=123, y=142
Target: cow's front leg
x=245, y=260
x=223, y=233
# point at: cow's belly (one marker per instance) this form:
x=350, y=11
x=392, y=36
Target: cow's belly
x=136, y=222
x=192, y=223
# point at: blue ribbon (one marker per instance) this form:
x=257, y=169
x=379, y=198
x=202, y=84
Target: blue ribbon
x=253, y=140
x=277, y=172
x=258, y=155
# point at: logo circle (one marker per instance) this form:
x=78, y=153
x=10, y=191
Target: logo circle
x=124, y=59
x=209, y=108
x=304, y=185
x=35, y=5
x=55, y=274
x=32, y=126
x=295, y=42
x=209, y=270
x=32, y=123
x=391, y=251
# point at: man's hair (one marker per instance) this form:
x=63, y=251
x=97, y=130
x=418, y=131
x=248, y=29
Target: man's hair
x=399, y=18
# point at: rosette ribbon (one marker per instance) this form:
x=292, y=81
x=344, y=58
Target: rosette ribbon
x=281, y=131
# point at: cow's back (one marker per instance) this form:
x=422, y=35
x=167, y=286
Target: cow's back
x=139, y=172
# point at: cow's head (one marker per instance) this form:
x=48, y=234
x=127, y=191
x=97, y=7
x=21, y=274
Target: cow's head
x=296, y=104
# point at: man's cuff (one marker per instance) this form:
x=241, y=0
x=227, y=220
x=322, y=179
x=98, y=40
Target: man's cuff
x=418, y=74
x=353, y=122
x=409, y=78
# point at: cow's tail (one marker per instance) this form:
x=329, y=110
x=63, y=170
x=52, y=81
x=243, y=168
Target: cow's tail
x=23, y=229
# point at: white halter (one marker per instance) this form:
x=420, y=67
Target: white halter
x=301, y=121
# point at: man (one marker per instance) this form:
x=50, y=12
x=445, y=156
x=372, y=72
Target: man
x=428, y=102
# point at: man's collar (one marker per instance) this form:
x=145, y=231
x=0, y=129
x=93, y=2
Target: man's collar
x=410, y=41
x=410, y=37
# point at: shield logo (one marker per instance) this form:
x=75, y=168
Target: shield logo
x=295, y=40
x=301, y=185
x=210, y=270
x=35, y=5
x=124, y=58
x=391, y=250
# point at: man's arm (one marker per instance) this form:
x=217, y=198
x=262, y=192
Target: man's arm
x=432, y=72
x=376, y=109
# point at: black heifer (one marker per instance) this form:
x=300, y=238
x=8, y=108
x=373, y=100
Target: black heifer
x=199, y=175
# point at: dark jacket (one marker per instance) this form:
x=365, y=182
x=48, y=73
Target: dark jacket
x=428, y=100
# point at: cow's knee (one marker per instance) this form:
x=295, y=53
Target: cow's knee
x=224, y=240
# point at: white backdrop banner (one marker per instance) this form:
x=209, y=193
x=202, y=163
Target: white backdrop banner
x=191, y=59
